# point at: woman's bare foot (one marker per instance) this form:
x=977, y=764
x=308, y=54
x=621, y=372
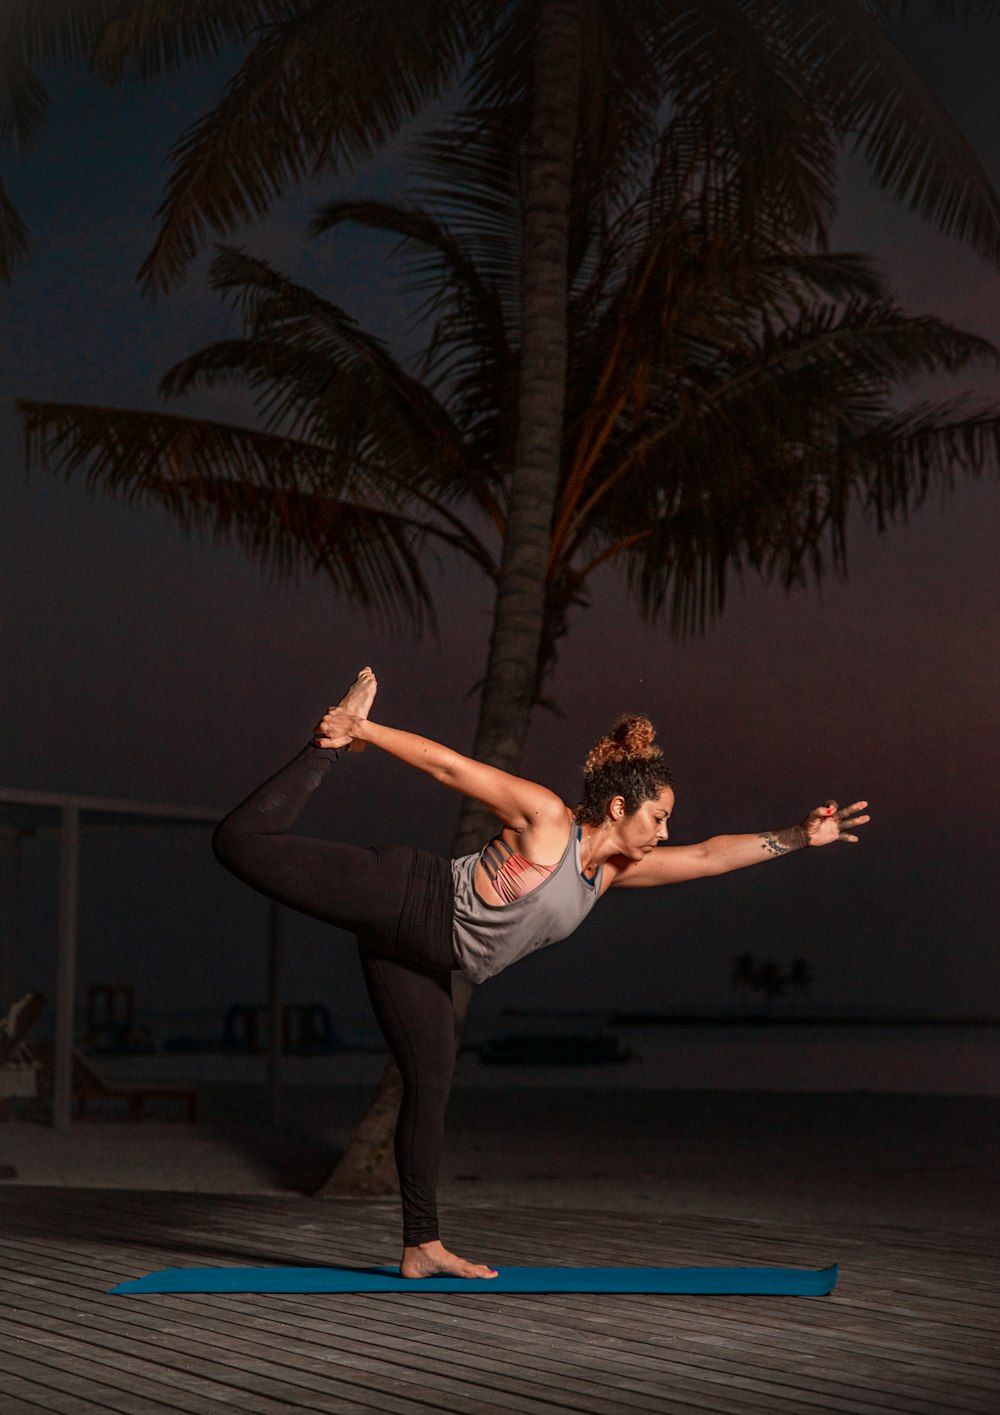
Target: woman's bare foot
x=434, y=1260
x=356, y=702
x=358, y=699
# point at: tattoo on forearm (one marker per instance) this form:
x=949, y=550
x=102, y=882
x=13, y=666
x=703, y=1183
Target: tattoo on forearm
x=780, y=842
x=772, y=844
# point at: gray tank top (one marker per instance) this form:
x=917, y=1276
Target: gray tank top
x=489, y=937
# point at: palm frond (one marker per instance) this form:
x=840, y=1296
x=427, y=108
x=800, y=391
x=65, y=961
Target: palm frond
x=23, y=100
x=835, y=275
x=468, y=356
x=688, y=231
x=879, y=101
x=453, y=265
x=790, y=523
x=329, y=86
x=866, y=346
x=37, y=32
x=766, y=486
x=925, y=449
x=734, y=76
x=315, y=373
x=261, y=492
x=473, y=171
x=14, y=238
x=801, y=380
x=751, y=409
x=468, y=183
x=145, y=38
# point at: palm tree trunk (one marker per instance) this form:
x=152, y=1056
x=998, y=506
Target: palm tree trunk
x=367, y=1169
x=512, y=666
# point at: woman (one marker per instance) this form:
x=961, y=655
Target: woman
x=418, y=916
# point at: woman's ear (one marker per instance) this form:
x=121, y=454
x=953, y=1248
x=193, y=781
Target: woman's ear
x=616, y=808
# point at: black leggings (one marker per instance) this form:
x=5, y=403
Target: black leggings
x=398, y=902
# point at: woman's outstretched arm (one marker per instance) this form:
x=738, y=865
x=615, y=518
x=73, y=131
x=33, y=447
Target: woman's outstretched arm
x=672, y=864
x=523, y=805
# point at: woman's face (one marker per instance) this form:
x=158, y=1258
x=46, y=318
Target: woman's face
x=645, y=828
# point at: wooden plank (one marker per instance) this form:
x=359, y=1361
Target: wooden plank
x=20, y=1396
x=739, y=1316
x=46, y=1376
x=297, y=1387
x=692, y=1229
x=172, y=1385
x=759, y=1352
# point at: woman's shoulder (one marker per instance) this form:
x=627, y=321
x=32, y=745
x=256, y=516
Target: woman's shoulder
x=557, y=828
x=544, y=841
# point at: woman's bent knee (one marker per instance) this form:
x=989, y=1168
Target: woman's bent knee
x=232, y=847
x=223, y=841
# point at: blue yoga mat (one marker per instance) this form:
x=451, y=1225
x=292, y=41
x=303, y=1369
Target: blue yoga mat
x=786, y=1282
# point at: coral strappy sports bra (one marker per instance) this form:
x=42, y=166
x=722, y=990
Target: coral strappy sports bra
x=510, y=873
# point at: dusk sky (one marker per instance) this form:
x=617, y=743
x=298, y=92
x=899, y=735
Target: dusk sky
x=140, y=663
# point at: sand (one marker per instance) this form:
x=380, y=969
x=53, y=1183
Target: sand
x=835, y=1158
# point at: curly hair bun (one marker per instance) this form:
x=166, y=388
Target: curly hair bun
x=631, y=738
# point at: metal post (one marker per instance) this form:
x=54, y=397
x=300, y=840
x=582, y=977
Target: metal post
x=274, y=1019
x=69, y=856
x=11, y=916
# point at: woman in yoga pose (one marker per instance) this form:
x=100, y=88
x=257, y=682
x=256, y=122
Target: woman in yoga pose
x=418, y=916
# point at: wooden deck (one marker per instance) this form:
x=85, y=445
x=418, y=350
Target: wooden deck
x=912, y=1326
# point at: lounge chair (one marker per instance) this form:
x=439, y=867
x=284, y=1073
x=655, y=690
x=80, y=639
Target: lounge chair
x=18, y=1071
x=88, y=1084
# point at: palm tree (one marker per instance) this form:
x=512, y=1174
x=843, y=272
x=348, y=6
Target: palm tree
x=729, y=397
x=580, y=85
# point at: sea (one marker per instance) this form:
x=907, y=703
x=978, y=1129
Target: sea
x=588, y=1050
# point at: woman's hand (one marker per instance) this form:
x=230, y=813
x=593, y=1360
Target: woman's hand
x=826, y=823
x=336, y=728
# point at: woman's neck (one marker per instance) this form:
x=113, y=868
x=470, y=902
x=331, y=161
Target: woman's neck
x=597, y=844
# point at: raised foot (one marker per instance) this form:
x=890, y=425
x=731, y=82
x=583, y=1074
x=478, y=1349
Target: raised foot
x=358, y=699
x=434, y=1260
x=356, y=702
